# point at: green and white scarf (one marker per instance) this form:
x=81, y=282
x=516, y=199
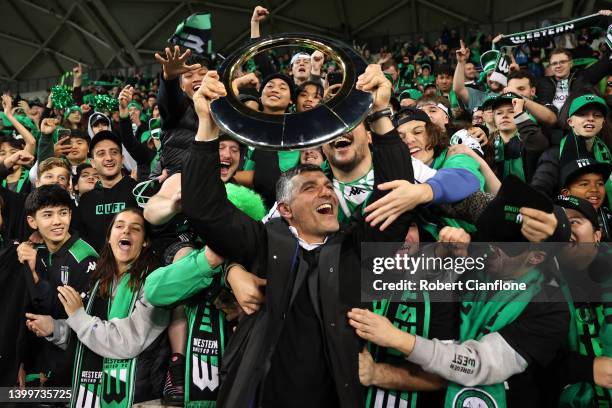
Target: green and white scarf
x=483, y=312
x=353, y=194
x=590, y=335
x=99, y=381
x=513, y=164
x=601, y=153
x=23, y=178
x=406, y=316
x=205, y=347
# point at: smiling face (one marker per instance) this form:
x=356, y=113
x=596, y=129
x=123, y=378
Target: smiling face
x=56, y=175
x=229, y=156
x=127, y=238
x=587, y=122
x=78, y=150
x=504, y=118
x=347, y=151
x=414, y=134
x=192, y=80
x=589, y=186
x=52, y=223
x=312, y=156
x=107, y=159
x=276, y=96
x=313, y=207
x=561, y=65
x=308, y=98
x=87, y=180
x=301, y=69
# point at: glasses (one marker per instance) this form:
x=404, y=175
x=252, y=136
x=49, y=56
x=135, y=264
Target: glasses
x=557, y=63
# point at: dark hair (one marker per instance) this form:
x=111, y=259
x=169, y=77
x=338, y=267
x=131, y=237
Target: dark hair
x=47, y=196
x=106, y=269
x=523, y=74
x=437, y=139
x=199, y=59
x=14, y=143
x=79, y=170
x=318, y=85
x=388, y=64
x=444, y=69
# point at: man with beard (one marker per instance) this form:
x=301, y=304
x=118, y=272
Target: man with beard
x=313, y=363
x=113, y=194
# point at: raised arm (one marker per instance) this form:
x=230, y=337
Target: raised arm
x=30, y=141
x=459, y=78
x=529, y=132
x=227, y=230
x=170, y=97
x=166, y=203
x=259, y=15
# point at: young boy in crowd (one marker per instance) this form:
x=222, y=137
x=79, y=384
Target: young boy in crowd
x=587, y=114
x=586, y=178
x=64, y=259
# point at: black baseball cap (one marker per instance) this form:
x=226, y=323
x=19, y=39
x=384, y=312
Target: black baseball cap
x=104, y=135
x=501, y=220
x=581, y=205
x=409, y=114
x=504, y=98
x=578, y=167
x=285, y=78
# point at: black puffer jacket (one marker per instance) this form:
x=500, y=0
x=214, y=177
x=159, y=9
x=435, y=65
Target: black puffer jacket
x=179, y=124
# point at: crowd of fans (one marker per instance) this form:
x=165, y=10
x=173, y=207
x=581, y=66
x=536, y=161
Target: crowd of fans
x=146, y=255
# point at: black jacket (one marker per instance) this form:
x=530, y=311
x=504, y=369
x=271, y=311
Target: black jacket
x=273, y=252
x=579, y=83
x=98, y=207
x=179, y=124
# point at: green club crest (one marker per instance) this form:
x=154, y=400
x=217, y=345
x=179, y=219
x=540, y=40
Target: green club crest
x=474, y=398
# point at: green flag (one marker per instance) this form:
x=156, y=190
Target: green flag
x=195, y=33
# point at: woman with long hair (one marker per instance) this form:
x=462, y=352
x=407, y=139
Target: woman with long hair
x=117, y=358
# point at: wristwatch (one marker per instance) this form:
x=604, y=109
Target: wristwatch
x=373, y=117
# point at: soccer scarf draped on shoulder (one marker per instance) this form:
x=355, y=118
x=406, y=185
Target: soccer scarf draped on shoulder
x=508, y=157
x=353, y=194
x=412, y=315
x=99, y=381
x=482, y=313
x=205, y=347
x=600, y=152
x=590, y=334
x=25, y=176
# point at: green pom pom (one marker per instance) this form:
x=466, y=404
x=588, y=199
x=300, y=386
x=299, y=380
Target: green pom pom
x=105, y=103
x=61, y=96
x=246, y=200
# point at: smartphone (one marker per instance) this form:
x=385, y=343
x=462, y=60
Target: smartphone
x=334, y=78
x=64, y=133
